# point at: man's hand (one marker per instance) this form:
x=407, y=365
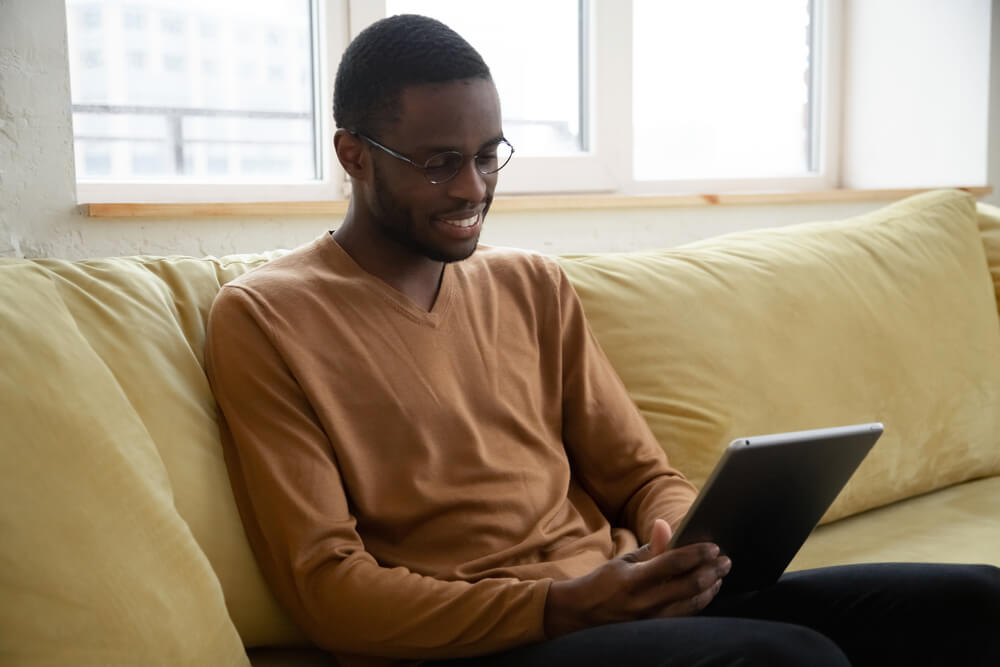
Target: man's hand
x=649, y=582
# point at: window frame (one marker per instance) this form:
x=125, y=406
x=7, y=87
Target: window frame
x=330, y=37
x=585, y=172
x=606, y=165
x=827, y=39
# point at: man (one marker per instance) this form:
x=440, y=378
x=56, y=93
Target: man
x=434, y=460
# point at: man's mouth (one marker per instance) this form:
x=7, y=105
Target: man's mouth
x=462, y=222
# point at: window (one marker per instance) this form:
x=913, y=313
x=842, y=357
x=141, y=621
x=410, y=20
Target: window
x=134, y=19
x=172, y=23
x=542, y=97
x=540, y=54
x=178, y=105
x=655, y=95
x=756, y=124
x=222, y=99
x=90, y=16
x=730, y=95
x=93, y=59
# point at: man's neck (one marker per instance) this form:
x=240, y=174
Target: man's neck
x=418, y=278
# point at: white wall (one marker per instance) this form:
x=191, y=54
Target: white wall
x=39, y=215
x=37, y=186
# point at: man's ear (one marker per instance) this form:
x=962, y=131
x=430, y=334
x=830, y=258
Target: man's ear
x=351, y=152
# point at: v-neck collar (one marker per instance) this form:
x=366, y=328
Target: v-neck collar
x=339, y=258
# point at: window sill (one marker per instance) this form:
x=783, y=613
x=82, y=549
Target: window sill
x=512, y=204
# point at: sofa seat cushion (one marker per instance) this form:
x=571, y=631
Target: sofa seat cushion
x=953, y=525
x=885, y=317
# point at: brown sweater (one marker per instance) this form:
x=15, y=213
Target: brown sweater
x=411, y=481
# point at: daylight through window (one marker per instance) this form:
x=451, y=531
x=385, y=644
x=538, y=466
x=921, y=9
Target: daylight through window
x=193, y=90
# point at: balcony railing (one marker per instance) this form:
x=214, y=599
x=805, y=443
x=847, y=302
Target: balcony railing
x=174, y=118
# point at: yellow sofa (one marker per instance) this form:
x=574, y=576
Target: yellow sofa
x=120, y=543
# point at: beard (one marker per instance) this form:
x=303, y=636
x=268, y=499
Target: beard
x=398, y=223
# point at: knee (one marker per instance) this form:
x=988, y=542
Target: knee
x=792, y=646
x=981, y=591
x=989, y=575
x=974, y=615
x=983, y=613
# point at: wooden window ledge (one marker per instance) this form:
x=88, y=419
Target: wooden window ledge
x=510, y=203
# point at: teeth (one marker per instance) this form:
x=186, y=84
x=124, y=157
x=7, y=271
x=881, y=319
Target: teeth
x=467, y=222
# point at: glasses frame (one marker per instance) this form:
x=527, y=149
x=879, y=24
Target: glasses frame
x=426, y=170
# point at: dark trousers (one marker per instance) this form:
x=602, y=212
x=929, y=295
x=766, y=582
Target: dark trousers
x=885, y=614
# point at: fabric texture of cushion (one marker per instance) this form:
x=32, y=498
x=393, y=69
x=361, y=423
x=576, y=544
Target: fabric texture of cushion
x=96, y=565
x=953, y=525
x=132, y=334
x=887, y=317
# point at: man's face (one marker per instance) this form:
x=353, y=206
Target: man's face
x=440, y=221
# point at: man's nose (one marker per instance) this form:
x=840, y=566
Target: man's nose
x=468, y=183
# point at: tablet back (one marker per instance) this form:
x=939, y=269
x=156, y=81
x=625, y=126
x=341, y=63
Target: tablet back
x=766, y=495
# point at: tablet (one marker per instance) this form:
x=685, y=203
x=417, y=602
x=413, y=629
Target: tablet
x=766, y=495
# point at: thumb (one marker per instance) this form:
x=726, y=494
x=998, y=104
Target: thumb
x=659, y=541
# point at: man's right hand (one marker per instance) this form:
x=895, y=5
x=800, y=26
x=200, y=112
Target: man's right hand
x=649, y=582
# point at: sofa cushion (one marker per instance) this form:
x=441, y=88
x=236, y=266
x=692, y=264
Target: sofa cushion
x=887, y=317
x=141, y=321
x=96, y=565
x=953, y=525
x=989, y=229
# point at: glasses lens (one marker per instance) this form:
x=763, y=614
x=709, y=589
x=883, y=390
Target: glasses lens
x=491, y=160
x=443, y=166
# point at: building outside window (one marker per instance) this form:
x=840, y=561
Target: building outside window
x=164, y=109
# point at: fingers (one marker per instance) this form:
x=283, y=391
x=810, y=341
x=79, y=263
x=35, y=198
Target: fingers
x=689, y=589
x=659, y=541
x=678, y=561
x=677, y=582
x=689, y=594
x=692, y=605
x=673, y=582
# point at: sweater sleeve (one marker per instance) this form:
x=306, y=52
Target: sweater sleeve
x=298, y=519
x=616, y=457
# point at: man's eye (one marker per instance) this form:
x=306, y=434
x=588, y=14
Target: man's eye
x=441, y=161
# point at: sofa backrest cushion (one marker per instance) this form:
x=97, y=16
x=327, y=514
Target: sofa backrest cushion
x=989, y=228
x=887, y=317
x=115, y=479
x=96, y=565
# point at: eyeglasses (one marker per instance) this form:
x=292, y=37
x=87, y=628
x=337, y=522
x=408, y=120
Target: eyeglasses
x=442, y=167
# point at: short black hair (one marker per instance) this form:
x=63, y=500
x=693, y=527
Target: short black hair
x=391, y=54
